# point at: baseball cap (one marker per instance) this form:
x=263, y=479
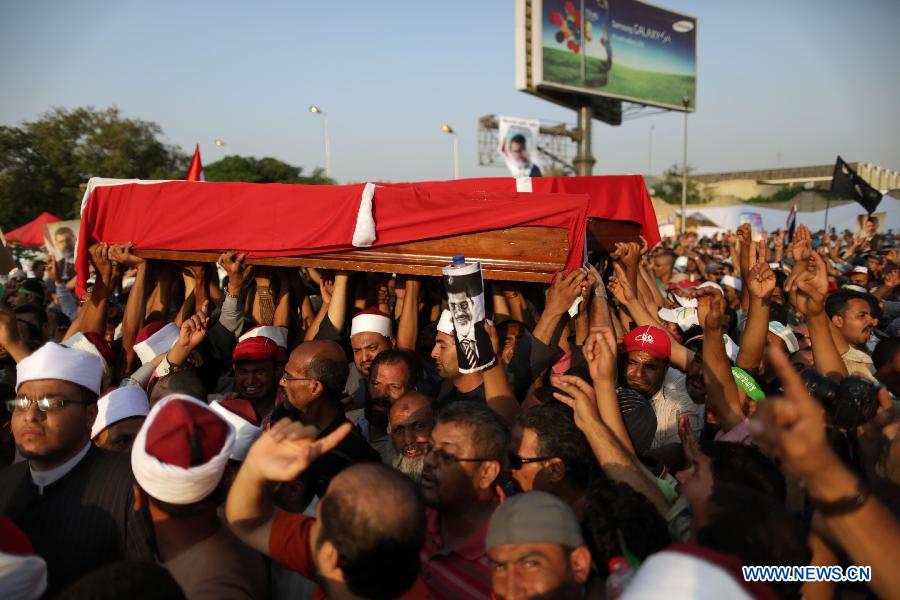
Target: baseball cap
x=534, y=518
x=785, y=333
x=652, y=340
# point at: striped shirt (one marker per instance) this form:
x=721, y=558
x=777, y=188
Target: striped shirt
x=460, y=572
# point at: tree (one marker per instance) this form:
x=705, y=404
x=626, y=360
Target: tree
x=43, y=163
x=261, y=170
x=669, y=189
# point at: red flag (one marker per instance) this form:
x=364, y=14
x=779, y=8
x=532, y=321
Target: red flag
x=195, y=171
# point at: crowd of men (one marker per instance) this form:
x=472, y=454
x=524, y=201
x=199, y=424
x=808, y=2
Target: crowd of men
x=233, y=431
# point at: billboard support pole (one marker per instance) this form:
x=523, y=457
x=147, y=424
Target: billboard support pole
x=584, y=162
x=686, y=101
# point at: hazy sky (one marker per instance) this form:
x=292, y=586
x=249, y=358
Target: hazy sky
x=779, y=83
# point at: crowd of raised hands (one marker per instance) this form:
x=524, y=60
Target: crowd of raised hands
x=735, y=393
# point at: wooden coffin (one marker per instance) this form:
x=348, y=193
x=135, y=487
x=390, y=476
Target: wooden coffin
x=513, y=254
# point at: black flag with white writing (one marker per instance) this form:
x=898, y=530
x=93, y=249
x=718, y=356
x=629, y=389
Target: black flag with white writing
x=846, y=184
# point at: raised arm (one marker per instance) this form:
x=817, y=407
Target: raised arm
x=498, y=393
x=792, y=428
x=93, y=320
x=562, y=293
x=280, y=454
x=721, y=391
x=135, y=306
x=408, y=325
x=600, y=355
x=760, y=284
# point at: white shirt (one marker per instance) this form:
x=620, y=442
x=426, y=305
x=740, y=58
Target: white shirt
x=671, y=401
x=44, y=478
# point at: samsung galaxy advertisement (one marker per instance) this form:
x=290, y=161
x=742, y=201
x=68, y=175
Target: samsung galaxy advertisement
x=618, y=48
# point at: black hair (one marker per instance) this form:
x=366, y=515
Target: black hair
x=330, y=372
x=558, y=436
x=470, y=285
x=836, y=303
x=617, y=515
x=517, y=139
x=133, y=579
x=885, y=351
x=733, y=463
x=758, y=530
x=378, y=534
x=490, y=435
x=393, y=356
x=185, y=381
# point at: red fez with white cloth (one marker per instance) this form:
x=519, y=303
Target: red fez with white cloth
x=242, y=416
x=158, y=340
x=371, y=320
x=275, y=333
x=54, y=361
x=181, y=451
x=256, y=348
x=652, y=340
x=122, y=403
x=23, y=574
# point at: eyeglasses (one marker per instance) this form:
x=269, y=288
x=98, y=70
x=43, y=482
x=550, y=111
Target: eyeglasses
x=516, y=462
x=445, y=457
x=44, y=404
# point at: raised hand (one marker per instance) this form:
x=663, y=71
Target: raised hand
x=234, y=264
x=792, y=427
x=563, y=291
x=121, y=253
x=192, y=332
x=580, y=395
x=52, y=271
x=761, y=280
x=288, y=448
x=619, y=286
x=628, y=253
x=600, y=353
x=710, y=309
x=744, y=234
x=102, y=264
x=801, y=246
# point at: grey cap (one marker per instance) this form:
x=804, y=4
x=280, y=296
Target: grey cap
x=534, y=518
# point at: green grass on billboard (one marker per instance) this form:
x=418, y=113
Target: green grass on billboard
x=564, y=67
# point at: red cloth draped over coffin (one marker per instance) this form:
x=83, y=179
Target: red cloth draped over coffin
x=612, y=197
x=281, y=220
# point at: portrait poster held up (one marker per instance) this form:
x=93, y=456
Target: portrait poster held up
x=465, y=297
x=518, y=145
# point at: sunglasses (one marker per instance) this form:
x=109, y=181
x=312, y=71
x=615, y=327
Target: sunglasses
x=516, y=462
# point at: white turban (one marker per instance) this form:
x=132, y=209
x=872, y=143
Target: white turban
x=120, y=404
x=173, y=483
x=53, y=361
x=245, y=431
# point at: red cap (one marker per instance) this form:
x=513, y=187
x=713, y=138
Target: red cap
x=242, y=408
x=255, y=348
x=102, y=346
x=684, y=284
x=652, y=340
x=148, y=330
x=186, y=435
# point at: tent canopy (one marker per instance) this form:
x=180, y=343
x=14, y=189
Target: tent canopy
x=31, y=234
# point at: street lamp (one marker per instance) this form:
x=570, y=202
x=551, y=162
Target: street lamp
x=318, y=111
x=686, y=102
x=221, y=144
x=447, y=129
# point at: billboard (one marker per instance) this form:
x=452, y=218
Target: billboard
x=620, y=49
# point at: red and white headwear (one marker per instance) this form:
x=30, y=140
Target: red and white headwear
x=243, y=418
x=23, y=574
x=276, y=334
x=652, y=340
x=256, y=348
x=371, y=320
x=121, y=403
x=181, y=451
x=54, y=361
x=155, y=339
x=445, y=323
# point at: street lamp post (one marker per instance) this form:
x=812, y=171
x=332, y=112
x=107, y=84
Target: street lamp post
x=318, y=111
x=686, y=102
x=447, y=129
